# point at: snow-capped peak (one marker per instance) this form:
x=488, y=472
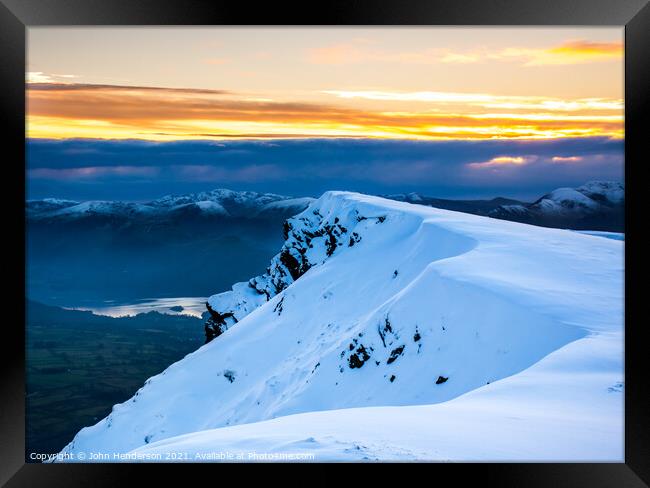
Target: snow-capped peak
x=596, y=205
x=611, y=191
x=221, y=196
x=103, y=208
x=372, y=302
x=566, y=199
x=591, y=196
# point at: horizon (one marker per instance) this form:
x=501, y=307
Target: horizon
x=315, y=196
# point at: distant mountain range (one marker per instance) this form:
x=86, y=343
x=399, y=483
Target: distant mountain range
x=84, y=253
x=597, y=205
x=215, y=203
x=476, y=207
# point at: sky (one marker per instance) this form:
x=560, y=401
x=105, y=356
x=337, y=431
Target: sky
x=133, y=113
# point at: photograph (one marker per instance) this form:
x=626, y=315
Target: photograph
x=325, y=244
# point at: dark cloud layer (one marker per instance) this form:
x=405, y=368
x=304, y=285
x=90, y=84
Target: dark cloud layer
x=135, y=169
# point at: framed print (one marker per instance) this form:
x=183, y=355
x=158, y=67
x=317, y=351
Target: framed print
x=368, y=233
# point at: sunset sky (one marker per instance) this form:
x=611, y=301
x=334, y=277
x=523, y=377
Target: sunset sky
x=447, y=111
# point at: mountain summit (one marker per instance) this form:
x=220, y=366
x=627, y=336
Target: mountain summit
x=454, y=324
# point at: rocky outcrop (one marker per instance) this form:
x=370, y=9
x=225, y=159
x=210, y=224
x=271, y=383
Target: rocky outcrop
x=310, y=239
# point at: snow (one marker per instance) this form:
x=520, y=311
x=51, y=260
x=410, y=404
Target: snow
x=341, y=350
x=106, y=208
x=35, y=208
x=503, y=421
x=221, y=198
x=619, y=236
x=516, y=209
x=54, y=202
x=220, y=202
x=290, y=203
x=589, y=197
x=206, y=206
x=612, y=191
x=566, y=199
x=414, y=197
x=565, y=207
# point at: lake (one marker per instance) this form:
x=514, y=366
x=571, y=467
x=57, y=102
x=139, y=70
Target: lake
x=194, y=306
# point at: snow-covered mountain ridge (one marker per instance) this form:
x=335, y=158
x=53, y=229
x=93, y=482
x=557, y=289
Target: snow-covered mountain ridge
x=373, y=302
x=221, y=202
x=596, y=205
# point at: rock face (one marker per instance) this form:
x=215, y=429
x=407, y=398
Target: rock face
x=310, y=239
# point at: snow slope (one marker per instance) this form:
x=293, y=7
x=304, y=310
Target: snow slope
x=474, y=338
x=619, y=236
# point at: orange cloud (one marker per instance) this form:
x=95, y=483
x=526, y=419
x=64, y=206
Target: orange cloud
x=566, y=159
x=485, y=100
x=571, y=52
x=105, y=111
x=501, y=161
x=588, y=48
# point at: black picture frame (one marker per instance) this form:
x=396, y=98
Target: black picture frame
x=17, y=15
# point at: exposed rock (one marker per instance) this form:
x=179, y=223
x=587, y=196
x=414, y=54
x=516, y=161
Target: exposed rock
x=417, y=336
x=394, y=354
x=358, y=359
x=217, y=323
x=279, y=307
x=354, y=238
x=310, y=238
